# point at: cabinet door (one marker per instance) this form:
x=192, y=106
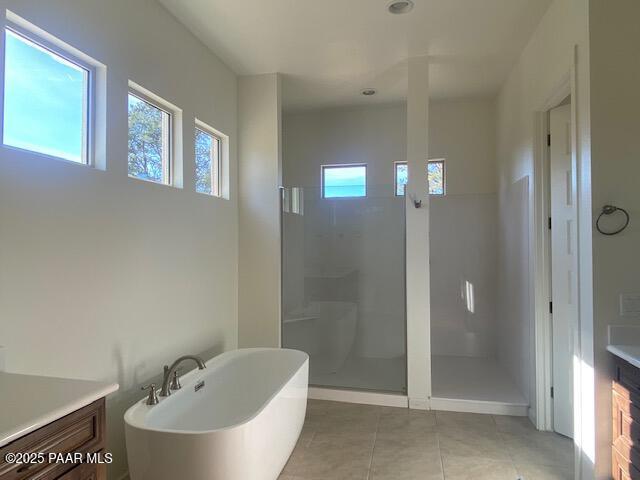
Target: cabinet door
x=86, y=471
x=82, y=431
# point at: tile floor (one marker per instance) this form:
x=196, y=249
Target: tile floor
x=342, y=441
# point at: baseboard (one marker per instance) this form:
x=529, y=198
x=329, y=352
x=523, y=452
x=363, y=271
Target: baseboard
x=392, y=400
x=419, y=403
x=353, y=396
x=478, y=406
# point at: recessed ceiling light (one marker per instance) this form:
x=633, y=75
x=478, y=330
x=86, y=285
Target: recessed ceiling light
x=398, y=7
x=367, y=92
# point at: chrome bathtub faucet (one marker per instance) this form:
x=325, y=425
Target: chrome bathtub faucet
x=170, y=379
x=152, y=399
x=175, y=380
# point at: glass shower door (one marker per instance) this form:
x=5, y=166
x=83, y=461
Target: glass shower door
x=343, y=286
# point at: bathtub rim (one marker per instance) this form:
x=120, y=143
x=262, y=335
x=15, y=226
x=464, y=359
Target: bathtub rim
x=136, y=414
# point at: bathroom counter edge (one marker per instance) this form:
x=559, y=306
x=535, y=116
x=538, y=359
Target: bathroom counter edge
x=29, y=402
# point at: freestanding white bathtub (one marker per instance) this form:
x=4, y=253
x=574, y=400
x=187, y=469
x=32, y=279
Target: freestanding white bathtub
x=241, y=424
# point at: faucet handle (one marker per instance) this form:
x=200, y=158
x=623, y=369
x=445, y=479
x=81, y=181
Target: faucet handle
x=152, y=399
x=175, y=380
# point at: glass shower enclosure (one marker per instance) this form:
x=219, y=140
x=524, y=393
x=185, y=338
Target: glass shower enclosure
x=343, y=286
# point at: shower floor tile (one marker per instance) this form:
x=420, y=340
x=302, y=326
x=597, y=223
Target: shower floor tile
x=380, y=374
x=472, y=378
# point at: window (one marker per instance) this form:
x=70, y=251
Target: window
x=208, y=155
x=401, y=173
x=47, y=98
x=435, y=175
x=149, y=140
x=341, y=181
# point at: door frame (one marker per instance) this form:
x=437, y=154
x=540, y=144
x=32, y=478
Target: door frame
x=542, y=415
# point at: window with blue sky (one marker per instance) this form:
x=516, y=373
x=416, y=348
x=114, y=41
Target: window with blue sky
x=435, y=174
x=45, y=102
x=343, y=181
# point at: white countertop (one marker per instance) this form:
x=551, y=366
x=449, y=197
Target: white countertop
x=28, y=402
x=630, y=353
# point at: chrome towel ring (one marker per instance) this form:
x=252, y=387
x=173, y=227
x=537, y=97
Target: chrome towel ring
x=610, y=210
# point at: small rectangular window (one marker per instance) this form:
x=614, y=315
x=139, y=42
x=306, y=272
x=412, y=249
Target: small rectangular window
x=47, y=98
x=401, y=174
x=208, y=160
x=149, y=140
x=435, y=175
x=342, y=181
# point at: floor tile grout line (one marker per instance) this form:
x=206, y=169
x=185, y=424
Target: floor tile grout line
x=373, y=447
x=504, y=440
x=440, y=453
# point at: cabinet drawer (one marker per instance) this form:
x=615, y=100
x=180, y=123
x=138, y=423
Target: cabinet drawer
x=81, y=431
x=626, y=420
x=628, y=378
x=621, y=468
x=86, y=471
x=628, y=402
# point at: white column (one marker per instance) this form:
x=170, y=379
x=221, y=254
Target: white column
x=259, y=179
x=417, y=242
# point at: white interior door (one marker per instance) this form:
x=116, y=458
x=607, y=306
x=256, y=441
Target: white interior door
x=563, y=268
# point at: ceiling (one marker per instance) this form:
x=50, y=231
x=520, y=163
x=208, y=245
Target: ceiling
x=329, y=50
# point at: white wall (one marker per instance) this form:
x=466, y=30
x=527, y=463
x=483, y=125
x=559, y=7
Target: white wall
x=105, y=277
x=514, y=339
x=372, y=135
x=615, y=154
x=259, y=180
x=463, y=239
x=544, y=65
x=463, y=228
x=464, y=132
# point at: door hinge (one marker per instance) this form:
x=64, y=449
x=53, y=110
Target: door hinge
x=550, y=307
x=548, y=140
x=551, y=392
x=549, y=223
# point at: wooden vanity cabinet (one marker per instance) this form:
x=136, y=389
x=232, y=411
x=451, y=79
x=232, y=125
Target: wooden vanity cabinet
x=82, y=431
x=86, y=471
x=625, y=400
